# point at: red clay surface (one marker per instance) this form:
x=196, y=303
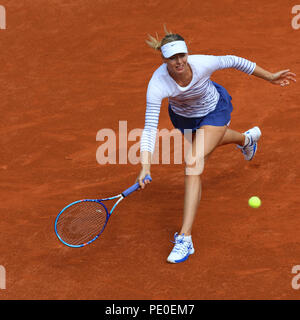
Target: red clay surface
x=71, y=68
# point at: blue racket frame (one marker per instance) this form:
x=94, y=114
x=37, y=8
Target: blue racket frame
x=121, y=196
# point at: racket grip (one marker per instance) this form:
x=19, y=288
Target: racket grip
x=134, y=187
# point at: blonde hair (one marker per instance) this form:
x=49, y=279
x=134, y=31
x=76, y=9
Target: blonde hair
x=156, y=44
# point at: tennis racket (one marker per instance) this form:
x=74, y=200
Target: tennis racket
x=82, y=222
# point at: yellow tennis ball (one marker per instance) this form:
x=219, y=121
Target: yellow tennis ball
x=254, y=202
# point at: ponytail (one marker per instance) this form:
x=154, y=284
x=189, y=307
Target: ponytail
x=155, y=43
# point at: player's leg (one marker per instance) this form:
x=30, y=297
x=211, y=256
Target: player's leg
x=232, y=136
x=212, y=136
x=246, y=141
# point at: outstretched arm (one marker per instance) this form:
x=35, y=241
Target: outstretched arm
x=146, y=165
x=280, y=78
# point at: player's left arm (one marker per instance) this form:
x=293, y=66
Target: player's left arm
x=281, y=78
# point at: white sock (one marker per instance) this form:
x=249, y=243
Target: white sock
x=246, y=140
x=187, y=238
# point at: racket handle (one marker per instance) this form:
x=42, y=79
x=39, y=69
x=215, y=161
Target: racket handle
x=134, y=187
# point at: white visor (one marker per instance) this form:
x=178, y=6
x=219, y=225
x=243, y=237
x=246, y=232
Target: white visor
x=169, y=49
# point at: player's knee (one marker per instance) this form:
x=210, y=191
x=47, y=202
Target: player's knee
x=194, y=167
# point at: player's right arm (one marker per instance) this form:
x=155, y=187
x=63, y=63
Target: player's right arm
x=146, y=166
x=155, y=95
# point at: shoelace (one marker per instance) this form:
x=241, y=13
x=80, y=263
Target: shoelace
x=180, y=245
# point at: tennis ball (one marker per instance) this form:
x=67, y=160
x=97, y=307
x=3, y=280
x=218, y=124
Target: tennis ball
x=254, y=202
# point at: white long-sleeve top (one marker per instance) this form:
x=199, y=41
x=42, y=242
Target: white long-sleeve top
x=198, y=99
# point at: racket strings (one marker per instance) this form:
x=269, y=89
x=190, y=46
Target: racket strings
x=81, y=222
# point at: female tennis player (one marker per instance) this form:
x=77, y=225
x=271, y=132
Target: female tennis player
x=196, y=102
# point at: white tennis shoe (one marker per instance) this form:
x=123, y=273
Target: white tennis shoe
x=250, y=148
x=182, y=249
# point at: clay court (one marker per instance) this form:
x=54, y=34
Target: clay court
x=72, y=68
